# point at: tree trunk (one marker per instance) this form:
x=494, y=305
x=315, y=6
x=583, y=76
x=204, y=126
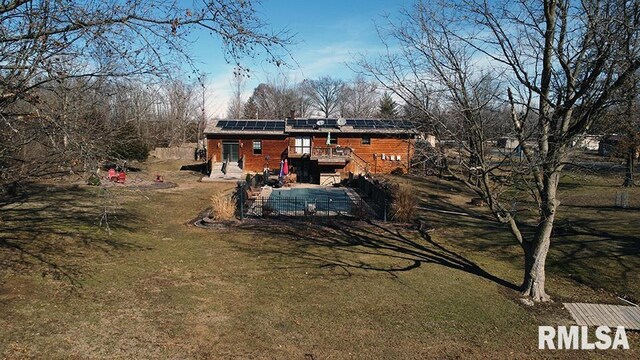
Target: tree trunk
x=628, y=177
x=536, y=250
x=535, y=256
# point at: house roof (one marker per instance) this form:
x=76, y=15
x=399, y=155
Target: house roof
x=310, y=125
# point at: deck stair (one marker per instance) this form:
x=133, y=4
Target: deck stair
x=232, y=172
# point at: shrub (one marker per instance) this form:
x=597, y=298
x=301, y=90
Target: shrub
x=267, y=210
x=360, y=211
x=223, y=207
x=397, y=171
x=127, y=144
x=405, y=204
x=93, y=180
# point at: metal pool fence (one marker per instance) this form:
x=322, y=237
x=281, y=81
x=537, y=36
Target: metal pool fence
x=305, y=207
x=372, y=202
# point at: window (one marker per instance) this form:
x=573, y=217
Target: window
x=333, y=140
x=366, y=140
x=303, y=145
x=257, y=147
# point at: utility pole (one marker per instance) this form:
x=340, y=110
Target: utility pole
x=202, y=121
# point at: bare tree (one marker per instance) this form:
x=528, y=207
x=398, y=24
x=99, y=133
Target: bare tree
x=325, y=95
x=182, y=106
x=273, y=100
x=303, y=104
x=631, y=119
x=556, y=65
x=359, y=98
x=45, y=43
x=236, y=104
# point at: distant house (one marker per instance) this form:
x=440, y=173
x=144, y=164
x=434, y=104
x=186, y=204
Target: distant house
x=609, y=144
x=507, y=143
x=589, y=142
x=315, y=149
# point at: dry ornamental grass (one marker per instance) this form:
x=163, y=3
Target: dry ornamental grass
x=223, y=207
x=405, y=204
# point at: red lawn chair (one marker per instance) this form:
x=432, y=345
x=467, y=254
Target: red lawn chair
x=112, y=175
x=121, y=177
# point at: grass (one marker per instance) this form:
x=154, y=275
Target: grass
x=594, y=243
x=160, y=288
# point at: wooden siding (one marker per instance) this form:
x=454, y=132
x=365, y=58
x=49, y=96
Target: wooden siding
x=272, y=150
x=274, y=147
x=379, y=145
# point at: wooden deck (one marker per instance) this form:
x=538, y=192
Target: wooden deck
x=609, y=315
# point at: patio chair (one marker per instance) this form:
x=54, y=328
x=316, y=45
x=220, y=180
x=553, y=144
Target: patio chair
x=121, y=177
x=112, y=175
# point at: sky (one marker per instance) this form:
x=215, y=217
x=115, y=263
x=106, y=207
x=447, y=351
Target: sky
x=328, y=34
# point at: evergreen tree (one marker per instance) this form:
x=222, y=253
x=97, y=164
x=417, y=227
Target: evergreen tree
x=387, y=108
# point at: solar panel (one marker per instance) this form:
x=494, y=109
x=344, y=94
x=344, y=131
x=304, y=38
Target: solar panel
x=252, y=125
x=303, y=123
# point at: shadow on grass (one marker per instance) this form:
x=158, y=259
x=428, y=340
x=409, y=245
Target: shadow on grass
x=597, y=246
x=349, y=245
x=56, y=229
x=201, y=168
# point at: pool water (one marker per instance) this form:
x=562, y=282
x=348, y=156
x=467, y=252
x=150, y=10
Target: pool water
x=315, y=199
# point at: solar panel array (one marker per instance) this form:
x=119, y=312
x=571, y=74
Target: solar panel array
x=254, y=125
x=379, y=124
x=274, y=125
x=355, y=123
x=311, y=123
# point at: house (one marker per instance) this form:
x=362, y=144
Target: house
x=316, y=150
x=588, y=142
x=507, y=143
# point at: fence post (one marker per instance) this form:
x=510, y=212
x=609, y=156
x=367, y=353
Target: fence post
x=328, y=206
x=241, y=199
x=384, y=207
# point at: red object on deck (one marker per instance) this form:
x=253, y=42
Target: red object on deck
x=112, y=174
x=121, y=177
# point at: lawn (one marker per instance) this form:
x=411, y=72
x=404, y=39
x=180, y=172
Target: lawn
x=154, y=286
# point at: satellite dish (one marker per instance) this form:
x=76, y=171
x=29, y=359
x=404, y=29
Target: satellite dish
x=341, y=122
x=320, y=122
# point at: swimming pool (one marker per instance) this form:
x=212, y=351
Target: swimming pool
x=298, y=201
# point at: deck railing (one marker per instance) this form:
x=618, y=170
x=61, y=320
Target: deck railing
x=320, y=151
